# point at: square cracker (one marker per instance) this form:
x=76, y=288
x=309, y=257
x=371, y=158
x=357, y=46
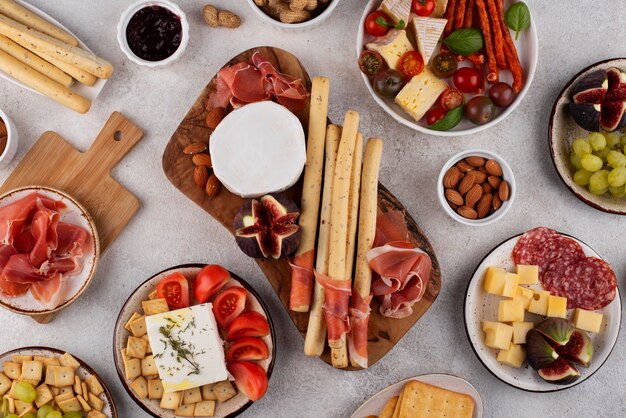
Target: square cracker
x=134, y=316
x=44, y=395
x=140, y=386
x=138, y=326
x=67, y=360
x=204, y=409
x=421, y=400
x=154, y=306
x=155, y=389
x=5, y=384
x=31, y=370
x=396, y=410
x=95, y=414
x=93, y=385
x=389, y=407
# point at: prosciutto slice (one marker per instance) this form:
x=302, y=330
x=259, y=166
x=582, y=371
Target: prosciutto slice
x=335, y=306
x=359, y=322
x=302, y=281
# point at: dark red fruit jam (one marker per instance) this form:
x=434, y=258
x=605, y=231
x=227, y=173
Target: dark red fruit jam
x=154, y=33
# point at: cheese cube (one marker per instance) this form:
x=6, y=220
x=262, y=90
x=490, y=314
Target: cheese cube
x=520, y=329
x=539, y=304
x=511, y=311
x=397, y=10
x=419, y=94
x=494, y=280
x=557, y=306
x=513, y=357
x=497, y=335
x=528, y=274
x=587, y=320
x=440, y=8
x=525, y=295
x=511, y=280
x=391, y=46
x=428, y=30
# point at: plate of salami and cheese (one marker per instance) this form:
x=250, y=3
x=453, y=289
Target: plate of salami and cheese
x=543, y=311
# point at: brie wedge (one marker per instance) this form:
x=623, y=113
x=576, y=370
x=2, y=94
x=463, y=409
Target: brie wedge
x=397, y=10
x=420, y=93
x=391, y=46
x=428, y=30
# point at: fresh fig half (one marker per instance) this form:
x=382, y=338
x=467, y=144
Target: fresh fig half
x=538, y=352
x=586, y=115
x=267, y=227
x=560, y=372
x=557, y=330
x=579, y=348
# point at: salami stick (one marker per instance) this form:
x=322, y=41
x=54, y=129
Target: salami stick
x=469, y=14
x=353, y=214
x=302, y=267
x=459, y=15
x=449, y=15
x=498, y=41
x=492, y=72
x=511, y=52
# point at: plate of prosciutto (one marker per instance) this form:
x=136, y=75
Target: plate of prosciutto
x=49, y=250
x=543, y=311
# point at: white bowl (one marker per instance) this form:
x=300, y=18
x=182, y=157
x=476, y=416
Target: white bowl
x=528, y=50
x=130, y=12
x=12, y=141
x=507, y=174
x=309, y=24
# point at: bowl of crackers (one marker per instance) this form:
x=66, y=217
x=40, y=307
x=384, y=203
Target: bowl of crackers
x=294, y=14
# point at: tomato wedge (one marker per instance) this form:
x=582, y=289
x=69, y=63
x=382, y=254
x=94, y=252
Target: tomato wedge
x=209, y=281
x=411, y=64
x=228, y=305
x=175, y=290
x=248, y=324
x=250, y=379
x=247, y=349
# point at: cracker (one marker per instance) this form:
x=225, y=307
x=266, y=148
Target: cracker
x=134, y=316
x=60, y=376
x=95, y=414
x=138, y=326
x=155, y=389
x=70, y=405
x=207, y=393
x=83, y=389
x=204, y=409
x=78, y=388
x=184, y=411
x=136, y=347
x=390, y=406
x=191, y=396
x=132, y=368
x=140, y=386
x=67, y=360
x=154, y=306
x=22, y=408
x=12, y=369
x=83, y=403
x=63, y=396
x=428, y=401
x=44, y=395
x=148, y=346
x=5, y=384
x=20, y=358
x=149, y=367
x=153, y=294
x=171, y=400
x=396, y=411
x=11, y=404
x=32, y=371
x=94, y=386
x=224, y=390
x=95, y=402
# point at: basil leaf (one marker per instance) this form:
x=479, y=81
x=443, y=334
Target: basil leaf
x=464, y=41
x=449, y=121
x=517, y=18
x=401, y=24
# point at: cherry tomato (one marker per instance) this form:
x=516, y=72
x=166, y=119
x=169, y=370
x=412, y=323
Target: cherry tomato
x=248, y=324
x=247, y=349
x=435, y=114
x=175, y=290
x=423, y=7
x=450, y=98
x=371, y=63
x=250, y=378
x=480, y=110
x=373, y=27
x=209, y=281
x=228, y=305
x=388, y=83
x=444, y=65
x=467, y=79
x=411, y=64
x=502, y=94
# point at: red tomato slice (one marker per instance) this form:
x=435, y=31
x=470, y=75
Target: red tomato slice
x=247, y=349
x=250, y=379
x=373, y=26
x=248, y=324
x=228, y=305
x=209, y=281
x=435, y=114
x=411, y=63
x=450, y=99
x=175, y=290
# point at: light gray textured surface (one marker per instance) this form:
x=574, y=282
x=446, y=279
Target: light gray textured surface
x=170, y=229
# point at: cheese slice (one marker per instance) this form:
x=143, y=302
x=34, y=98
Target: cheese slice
x=392, y=46
x=440, y=8
x=397, y=10
x=428, y=30
x=419, y=94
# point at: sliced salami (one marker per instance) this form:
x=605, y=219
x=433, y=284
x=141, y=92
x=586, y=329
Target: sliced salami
x=541, y=246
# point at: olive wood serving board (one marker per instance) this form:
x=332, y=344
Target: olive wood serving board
x=384, y=332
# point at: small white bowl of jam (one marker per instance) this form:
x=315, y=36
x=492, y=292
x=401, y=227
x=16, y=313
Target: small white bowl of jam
x=153, y=33
x=8, y=140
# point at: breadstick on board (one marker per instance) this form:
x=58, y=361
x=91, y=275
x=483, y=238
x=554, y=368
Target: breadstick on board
x=302, y=275
x=353, y=214
x=24, y=16
x=316, y=330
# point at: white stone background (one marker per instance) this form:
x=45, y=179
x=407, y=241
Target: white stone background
x=170, y=229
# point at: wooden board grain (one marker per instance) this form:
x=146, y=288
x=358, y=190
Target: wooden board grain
x=384, y=332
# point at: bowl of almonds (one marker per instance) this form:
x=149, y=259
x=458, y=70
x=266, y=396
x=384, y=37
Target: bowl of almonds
x=476, y=187
x=294, y=14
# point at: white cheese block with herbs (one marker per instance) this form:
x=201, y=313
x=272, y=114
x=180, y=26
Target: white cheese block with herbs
x=397, y=10
x=391, y=46
x=428, y=30
x=187, y=347
x=419, y=94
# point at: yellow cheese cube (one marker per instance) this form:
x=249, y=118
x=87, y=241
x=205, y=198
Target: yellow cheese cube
x=587, y=320
x=494, y=280
x=497, y=335
x=528, y=274
x=525, y=295
x=539, y=304
x=420, y=93
x=513, y=357
x=511, y=280
x=557, y=306
x=520, y=329
x=392, y=46
x=511, y=311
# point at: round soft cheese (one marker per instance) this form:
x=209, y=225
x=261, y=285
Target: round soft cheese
x=258, y=149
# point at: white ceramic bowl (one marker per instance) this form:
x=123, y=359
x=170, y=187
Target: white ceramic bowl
x=130, y=12
x=507, y=174
x=528, y=50
x=12, y=141
x=309, y=24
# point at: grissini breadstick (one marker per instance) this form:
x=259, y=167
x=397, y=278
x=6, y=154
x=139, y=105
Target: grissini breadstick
x=302, y=266
x=32, y=60
x=20, y=14
x=353, y=206
x=48, y=45
x=361, y=297
x=315, y=339
x=43, y=84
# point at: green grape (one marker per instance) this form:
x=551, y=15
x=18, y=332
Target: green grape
x=590, y=162
x=597, y=141
x=598, y=192
x=581, y=177
x=581, y=147
x=616, y=159
x=575, y=160
x=599, y=180
x=72, y=415
x=54, y=414
x=602, y=153
x=44, y=410
x=612, y=139
x=617, y=192
x=13, y=416
x=617, y=177
x=622, y=140
x=25, y=392
x=29, y=415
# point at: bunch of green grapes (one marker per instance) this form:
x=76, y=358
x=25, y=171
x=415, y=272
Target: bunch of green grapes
x=600, y=161
x=25, y=392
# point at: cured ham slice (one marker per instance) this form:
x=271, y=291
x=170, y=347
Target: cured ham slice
x=302, y=280
x=13, y=217
x=49, y=292
x=336, y=306
x=390, y=226
x=357, y=337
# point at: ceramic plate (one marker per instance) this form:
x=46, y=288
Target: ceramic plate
x=230, y=408
x=375, y=404
x=75, y=285
x=89, y=92
x=84, y=371
x=527, y=49
x=480, y=306
x=564, y=130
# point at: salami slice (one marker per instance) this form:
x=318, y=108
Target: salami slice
x=541, y=246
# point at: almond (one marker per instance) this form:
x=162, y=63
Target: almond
x=195, y=147
x=483, y=206
x=493, y=168
x=473, y=195
x=454, y=197
x=479, y=176
x=494, y=181
x=464, y=167
x=202, y=159
x=475, y=161
x=451, y=178
x=466, y=212
x=482, y=169
x=503, y=191
x=466, y=184
x=496, y=203
x=214, y=117
x=200, y=176
x=212, y=186
x=487, y=188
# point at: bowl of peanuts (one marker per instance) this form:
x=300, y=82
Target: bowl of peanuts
x=294, y=14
